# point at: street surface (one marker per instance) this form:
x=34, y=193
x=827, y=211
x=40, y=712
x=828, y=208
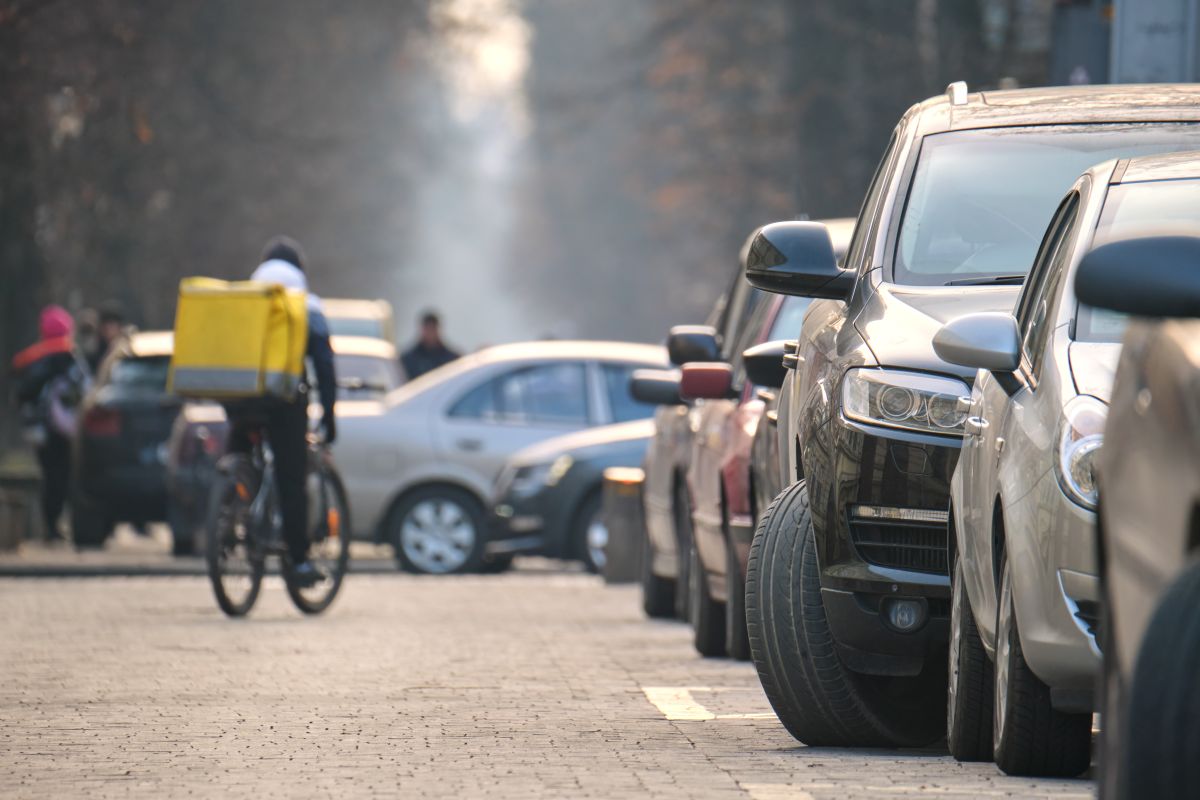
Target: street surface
x=538, y=684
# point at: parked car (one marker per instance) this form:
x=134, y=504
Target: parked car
x=726, y=413
x=420, y=465
x=1148, y=481
x=665, y=498
x=548, y=498
x=857, y=549
x=120, y=448
x=367, y=369
x=370, y=318
x=1024, y=587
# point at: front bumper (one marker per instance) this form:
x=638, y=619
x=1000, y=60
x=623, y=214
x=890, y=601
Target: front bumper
x=857, y=476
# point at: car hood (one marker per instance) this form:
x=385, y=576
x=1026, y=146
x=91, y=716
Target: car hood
x=1093, y=366
x=604, y=435
x=898, y=323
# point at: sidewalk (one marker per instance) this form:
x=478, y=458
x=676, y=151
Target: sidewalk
x=127, y=554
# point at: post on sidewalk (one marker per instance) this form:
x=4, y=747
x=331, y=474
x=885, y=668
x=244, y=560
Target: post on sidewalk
x=622, y=508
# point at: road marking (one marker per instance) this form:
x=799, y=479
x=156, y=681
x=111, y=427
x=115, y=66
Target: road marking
x=677, y=703
x=775, y=791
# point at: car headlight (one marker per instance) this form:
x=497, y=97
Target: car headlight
x=910, y=400
x=530, y=479
x=1080, y=434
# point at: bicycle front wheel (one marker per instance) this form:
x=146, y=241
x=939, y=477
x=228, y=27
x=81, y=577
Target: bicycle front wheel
x=330, y=548
x=233, y=550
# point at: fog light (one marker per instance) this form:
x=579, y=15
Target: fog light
x=903, y=614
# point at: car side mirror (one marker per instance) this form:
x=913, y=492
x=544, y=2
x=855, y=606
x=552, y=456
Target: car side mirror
x=1149, y=276
x=795, y=258
x=985, y=340
x=706, y=381
x=657, y=387
x=687, y=343
x=764, y=364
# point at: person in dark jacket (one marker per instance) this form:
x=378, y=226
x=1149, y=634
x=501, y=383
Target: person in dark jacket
x=51, y=380
x=429, y=352
x=286, y=423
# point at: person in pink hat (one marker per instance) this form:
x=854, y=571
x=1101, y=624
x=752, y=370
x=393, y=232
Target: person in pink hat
x=51, y=380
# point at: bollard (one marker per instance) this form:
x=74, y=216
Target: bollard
x=622, y=508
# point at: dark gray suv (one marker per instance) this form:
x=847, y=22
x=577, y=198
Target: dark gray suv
x=848, y=589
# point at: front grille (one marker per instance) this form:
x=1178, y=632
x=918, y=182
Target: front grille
x=901, y=545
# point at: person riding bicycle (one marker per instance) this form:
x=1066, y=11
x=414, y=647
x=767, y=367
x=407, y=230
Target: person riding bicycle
x=286, y=422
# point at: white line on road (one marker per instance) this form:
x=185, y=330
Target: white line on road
x=677, y=703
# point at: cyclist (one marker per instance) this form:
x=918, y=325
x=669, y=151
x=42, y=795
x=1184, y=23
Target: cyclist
x=286, y=422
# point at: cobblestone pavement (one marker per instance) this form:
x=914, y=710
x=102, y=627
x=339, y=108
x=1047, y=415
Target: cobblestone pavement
x=522, y=685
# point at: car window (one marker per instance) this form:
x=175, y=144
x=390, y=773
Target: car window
x=1036, y=312
x=980, y=198
x=742, y=303
x=616, y=386
x=864, y=227
x=359, y=376
x=548, y=393
x=369, y=327
x=789, y=319
x=144, y=374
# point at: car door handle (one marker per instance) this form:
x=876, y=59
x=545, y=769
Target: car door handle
x=469, y=445
x=791, y=360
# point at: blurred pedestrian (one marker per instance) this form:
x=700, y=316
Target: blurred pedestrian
x=51, y=381
x=112, y=327
x=429, y=352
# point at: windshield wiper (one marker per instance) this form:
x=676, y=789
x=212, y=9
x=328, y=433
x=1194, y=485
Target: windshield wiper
x=991, y=280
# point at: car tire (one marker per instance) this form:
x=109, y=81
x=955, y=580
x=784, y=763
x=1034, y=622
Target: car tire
x=819, y=700
x=1164, y=698
x=90, y=525
x=1029, y=736
x=969, y=696
x=438, y=530
x=682, y=510
x=658, y=593
x=707, y=615
x=583, y=546
x=737, y=640
x=496, y=564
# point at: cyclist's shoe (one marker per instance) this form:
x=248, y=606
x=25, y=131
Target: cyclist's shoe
x=306, y=574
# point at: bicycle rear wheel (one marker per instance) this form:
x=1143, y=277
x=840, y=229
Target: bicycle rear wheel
x=234, y=552
x=330, y=548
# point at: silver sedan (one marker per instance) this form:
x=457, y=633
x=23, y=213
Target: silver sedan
x=419, y=463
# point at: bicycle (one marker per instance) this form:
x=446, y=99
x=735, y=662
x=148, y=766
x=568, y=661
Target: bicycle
x=245, y=527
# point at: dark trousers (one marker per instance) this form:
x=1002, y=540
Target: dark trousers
x=286, y=428
x=55, y=459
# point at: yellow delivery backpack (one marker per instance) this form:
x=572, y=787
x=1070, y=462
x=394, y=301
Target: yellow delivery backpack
x=238, y=339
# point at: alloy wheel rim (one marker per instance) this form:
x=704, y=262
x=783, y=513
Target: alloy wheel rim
x=437, y=535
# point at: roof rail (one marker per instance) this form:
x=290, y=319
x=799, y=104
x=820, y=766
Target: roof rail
x=957, y=93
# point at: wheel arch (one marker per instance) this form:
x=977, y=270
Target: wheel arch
x=385, y=520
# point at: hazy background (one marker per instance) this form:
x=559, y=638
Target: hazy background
x=529, y=167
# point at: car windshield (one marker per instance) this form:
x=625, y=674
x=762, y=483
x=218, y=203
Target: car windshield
x=356, y=326
x=361, y=376
x=980, y=199
x=1129, y=209
x=146, y=374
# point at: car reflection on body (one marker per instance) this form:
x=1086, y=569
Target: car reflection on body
x=548, y=499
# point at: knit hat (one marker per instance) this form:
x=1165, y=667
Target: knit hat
x=55, y=322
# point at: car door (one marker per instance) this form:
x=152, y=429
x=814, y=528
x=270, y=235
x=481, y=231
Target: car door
x=1004, y=421
x=521, y=406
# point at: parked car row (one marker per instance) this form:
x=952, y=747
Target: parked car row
x=925, y=561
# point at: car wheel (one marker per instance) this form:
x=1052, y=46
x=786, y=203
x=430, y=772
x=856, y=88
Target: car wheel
x=438, y=530
x=737, y=642
x=707, y=615
x=658, y=593
x=1164, y=698
x=683, y=542
x=1029, y=736
x=590, y=534
x=819, y=700
x=90, y=524
x=969, y=697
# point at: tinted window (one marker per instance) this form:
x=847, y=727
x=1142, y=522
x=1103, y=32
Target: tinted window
x=864, y=227
x=616, y=384
x=1036, y=315
x=552, y=393
x=148, y=374
x=980, y=199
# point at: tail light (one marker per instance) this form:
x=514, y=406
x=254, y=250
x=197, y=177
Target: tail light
x=102, y=422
